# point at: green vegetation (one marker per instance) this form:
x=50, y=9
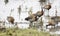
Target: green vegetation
x=23, y=32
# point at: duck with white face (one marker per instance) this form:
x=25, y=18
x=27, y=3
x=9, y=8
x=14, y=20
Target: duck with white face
x=35, y=17
x=10, y=19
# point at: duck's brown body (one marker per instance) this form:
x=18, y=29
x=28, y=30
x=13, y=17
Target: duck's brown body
x=51, y=22
x=33, y=17
x=54, y=20
x=39, y=13
x=47, y=6
x=10, y=19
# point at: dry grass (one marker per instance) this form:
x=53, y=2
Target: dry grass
x=23, y=32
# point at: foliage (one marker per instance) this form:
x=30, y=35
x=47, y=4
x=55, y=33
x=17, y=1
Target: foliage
x=23, y=32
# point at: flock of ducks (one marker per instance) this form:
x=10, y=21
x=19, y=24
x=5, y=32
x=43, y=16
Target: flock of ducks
x=51, y=21
x=34, y=17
